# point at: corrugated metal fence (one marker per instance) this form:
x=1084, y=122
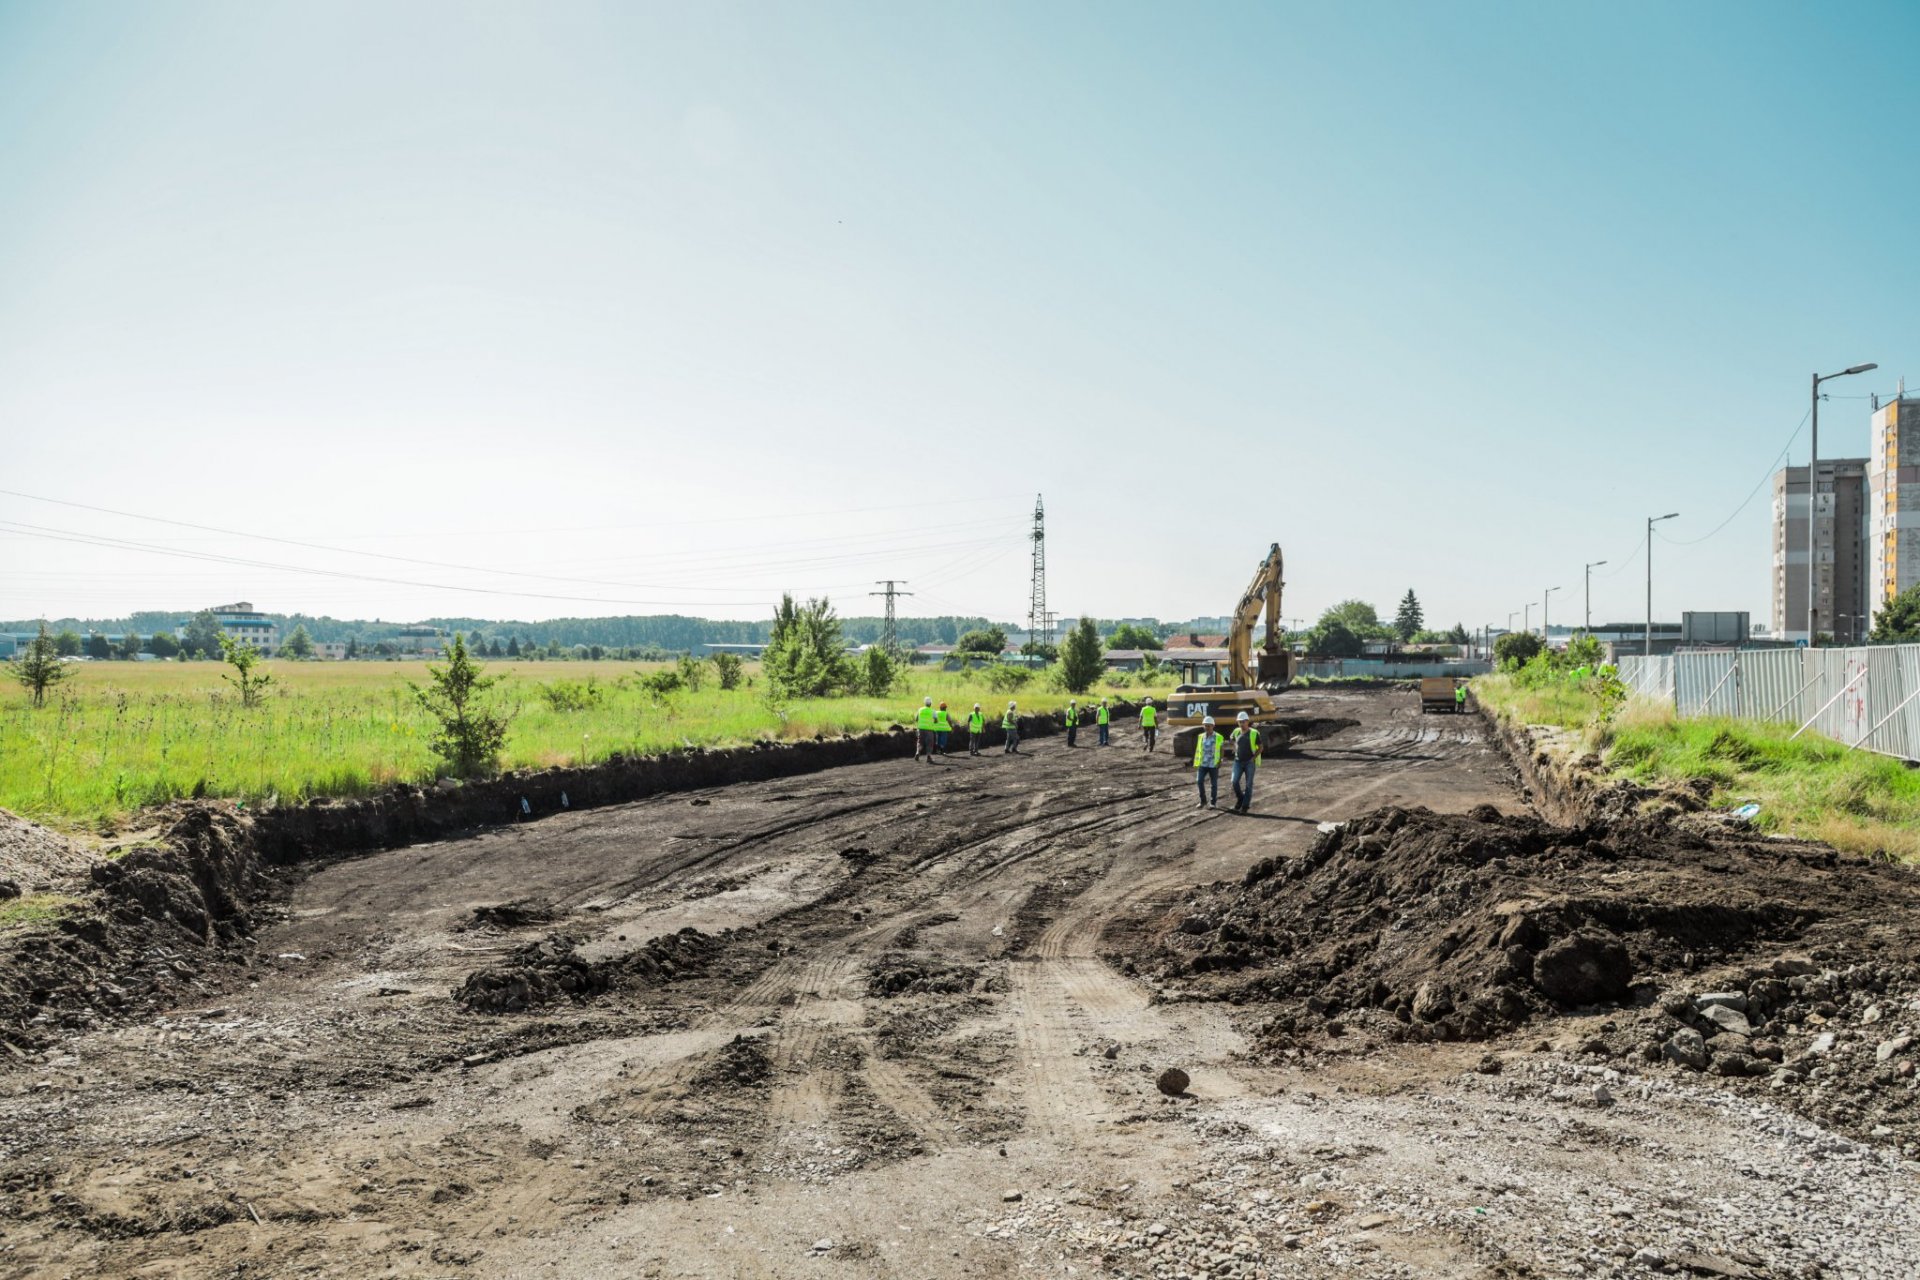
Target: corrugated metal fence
x=1866, y=697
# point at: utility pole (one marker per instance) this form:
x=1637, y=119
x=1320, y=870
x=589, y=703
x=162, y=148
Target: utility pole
x=1647, y=647
x=1590, y=568
x=1526, y=617
x=1545, y=641
x=1813, y=495
x=1037, y=615
x=889, y=636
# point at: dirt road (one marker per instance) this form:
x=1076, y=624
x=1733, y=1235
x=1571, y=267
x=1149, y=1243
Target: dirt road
x=892, y=1049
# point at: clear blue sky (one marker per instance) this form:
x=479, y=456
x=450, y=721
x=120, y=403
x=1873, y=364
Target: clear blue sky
x=717, y=299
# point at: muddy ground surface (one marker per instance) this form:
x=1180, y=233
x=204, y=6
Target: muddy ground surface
x=912, y=1020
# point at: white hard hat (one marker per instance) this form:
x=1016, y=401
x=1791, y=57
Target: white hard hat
x=1208, y=722
x=1012, y=705
x=976, y=706
x=1146, y=702
x=1241, y=716
x=926, y=702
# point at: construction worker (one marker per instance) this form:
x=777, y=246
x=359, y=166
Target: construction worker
x=1011, y=724
x=1460, y=693
x=924, y=720
x=1100, y=718
x=976, y=729
x=1246, y=758
x=1073, y=720
x=942, y=726
x=1208, y=750
x=1149, y=718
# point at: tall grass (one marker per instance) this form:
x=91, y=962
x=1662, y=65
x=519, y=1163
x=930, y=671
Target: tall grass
x=123, y=736
x=1807, y=786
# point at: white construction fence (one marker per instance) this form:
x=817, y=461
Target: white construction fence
x=1865, y=697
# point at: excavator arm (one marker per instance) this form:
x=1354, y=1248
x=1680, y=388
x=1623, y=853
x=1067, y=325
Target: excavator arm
x=1275, y=665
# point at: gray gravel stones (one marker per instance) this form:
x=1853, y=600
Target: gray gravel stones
x=1687, y=1047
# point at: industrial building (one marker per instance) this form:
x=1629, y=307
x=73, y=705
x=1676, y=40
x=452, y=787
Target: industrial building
x=1893, y=485
x=245, y=624
x=1839, y=511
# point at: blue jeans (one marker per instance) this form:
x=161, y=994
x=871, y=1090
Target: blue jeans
x=1073, y=731
x=940, y=740
x=1243, y=783
x=1103, y=735
x=1013, y=738
x=1209, y=772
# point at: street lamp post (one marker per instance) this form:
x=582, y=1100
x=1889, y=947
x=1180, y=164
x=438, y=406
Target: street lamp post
x=1526, y=617
x=1813, y=490
x=1647, y=648
x=1546, y=641
x=1590, y=568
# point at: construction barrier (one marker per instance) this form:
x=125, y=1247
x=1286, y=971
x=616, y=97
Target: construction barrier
x=1866, y=697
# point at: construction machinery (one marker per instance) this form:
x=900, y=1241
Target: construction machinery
x=1439, y=694
x=1222, y=686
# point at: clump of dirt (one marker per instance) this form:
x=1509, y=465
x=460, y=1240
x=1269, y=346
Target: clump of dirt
x=900, y=973
x=1466, y=926
x=140, y=937
x=518, y=914
x=32, y=857
x=538, y=974
x=741, y=1063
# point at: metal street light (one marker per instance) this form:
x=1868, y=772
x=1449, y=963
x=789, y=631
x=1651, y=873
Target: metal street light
x=1545, y=640
x=1590, y=568
x=1647, y=648
x=1526, y=617
x=1813, y=489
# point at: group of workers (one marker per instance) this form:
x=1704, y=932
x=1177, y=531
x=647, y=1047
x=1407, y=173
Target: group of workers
x=935, y=727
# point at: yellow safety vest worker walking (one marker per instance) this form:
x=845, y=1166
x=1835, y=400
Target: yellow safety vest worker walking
x=925, y=720
x=976, y=729
x=1149, y=722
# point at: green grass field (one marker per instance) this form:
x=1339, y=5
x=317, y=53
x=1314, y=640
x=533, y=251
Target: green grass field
x=119, y=737
x=1807, y=786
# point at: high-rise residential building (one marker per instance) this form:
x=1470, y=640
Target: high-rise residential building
x=1839, y=513
x=1893, y=483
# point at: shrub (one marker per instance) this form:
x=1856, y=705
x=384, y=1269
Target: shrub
x=573, y=695
x=242, y=657
x=1080, y=663
x=1008, y=679
x=470, y=734
x=1517, y=648
x=878, y=672
x=729, y=669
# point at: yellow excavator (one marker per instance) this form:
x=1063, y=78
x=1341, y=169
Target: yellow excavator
x=1245, y=680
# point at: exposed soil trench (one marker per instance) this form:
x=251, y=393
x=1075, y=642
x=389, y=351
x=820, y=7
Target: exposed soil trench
x=859, y=1023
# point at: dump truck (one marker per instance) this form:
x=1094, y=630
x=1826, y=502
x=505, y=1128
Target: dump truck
x=1242, y=680
x=1437, y=693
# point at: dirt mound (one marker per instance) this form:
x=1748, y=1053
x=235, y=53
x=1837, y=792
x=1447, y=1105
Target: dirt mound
x=898, y=973
x=139, y=939
x=742, y=1062
x=514, y=915
x=538, y=974
x=1462, y=927
x=32, y=857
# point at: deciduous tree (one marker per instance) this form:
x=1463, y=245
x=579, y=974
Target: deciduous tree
x=1080, y=663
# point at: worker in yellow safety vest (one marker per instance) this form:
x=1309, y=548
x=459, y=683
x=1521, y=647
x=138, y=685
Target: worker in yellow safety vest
x=1208, y=750
x=1460, y=697
x=1245, y=747
x=1010, y=723
x=1100, y=718
x=1149, y=721
x=942, y=726
x=1073, y=720
x=924, y=721
x=976, y=729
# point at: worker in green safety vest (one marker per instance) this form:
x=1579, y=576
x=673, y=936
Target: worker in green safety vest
x=1460, y=697
x=976, y=729
x=924, y=721
x=1244, y=749
x=1073, y=720
x=1208, y=750
x=1010, y=723
x=942, y=726
x=1149, y=721
x=1100, y=718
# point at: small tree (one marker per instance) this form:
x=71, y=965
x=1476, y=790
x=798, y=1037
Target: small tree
x=353, y=647
x=470, y=733
x=98, y=646
x=730, y=670
x=130, y=646
x=38, y=667
x=805, y=656
x=1517, y=647
x=299, y=645
x=1898, y=621
x=243, y=657
x=163, y=645
x=1080, y=663
x=68, y=644
x=878, y=672
x=693, y=672
x=1410, y=619
x=1332, y=638
x=1459, y=634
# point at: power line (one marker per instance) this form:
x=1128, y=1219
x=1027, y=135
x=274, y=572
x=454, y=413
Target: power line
x=1771, y=469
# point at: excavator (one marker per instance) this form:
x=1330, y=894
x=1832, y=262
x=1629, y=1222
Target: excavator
x=1247, y=680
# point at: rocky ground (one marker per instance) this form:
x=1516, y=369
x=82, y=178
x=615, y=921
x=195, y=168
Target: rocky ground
x=920, y=1020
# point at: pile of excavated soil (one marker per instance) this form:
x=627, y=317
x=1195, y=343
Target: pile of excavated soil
x=547, y=971
x=1778, y=965
x=33, y=858
x=140, y=936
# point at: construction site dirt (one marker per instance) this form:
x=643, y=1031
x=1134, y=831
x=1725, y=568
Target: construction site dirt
x=1034, y=1015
